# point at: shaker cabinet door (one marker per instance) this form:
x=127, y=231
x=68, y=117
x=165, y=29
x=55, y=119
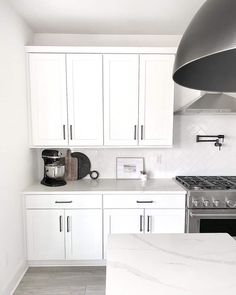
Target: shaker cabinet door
x=165, y=220
x=121, y=99
x=45, y=234
x=156, y=97
x=85, y=99
x=122, y=221
x=83, y=234
x=48, y=102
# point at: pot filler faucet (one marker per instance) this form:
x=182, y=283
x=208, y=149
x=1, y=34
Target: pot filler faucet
x=217, y=139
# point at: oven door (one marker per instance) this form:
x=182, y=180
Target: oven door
x=211, y=221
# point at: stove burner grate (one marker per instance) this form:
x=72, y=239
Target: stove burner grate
x=208, y=182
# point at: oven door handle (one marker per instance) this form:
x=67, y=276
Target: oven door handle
x=211, y=215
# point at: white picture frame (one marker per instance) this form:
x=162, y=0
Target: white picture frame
x=129, y=167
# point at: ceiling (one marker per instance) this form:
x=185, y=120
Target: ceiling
x=162, y=17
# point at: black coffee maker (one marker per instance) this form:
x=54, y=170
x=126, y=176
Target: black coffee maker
x=54, y=168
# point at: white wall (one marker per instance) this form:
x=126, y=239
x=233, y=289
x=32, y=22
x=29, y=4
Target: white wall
x=16, y=159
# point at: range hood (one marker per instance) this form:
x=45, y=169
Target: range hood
x=206, y=57
x=210, y=103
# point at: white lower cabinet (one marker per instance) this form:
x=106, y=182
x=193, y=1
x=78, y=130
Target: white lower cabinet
x=146, y=214
x=122, y=221
x=76, y=227
x=84, y=234
x=164, y=220
x=45, y=234
x=64, y=227
x=64, y=234
x=134, y=221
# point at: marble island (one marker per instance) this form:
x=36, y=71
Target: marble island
x=171, y=264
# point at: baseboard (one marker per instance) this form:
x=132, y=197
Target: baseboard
x=11, y=286
x=39, y=263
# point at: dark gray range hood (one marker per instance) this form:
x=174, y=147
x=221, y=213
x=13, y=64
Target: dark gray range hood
x=210, y=103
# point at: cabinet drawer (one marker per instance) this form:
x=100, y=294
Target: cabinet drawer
x=63, y=201
x=144, y=201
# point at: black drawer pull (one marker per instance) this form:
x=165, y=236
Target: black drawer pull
x=144, y=202
x=63, y=202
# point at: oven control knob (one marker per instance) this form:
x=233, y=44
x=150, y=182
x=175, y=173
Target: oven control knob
x=195, y=203
x=216, y=203
x=206, y=203
x=231, y=204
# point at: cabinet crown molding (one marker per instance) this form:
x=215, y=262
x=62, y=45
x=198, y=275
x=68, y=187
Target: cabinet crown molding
x=95, y=49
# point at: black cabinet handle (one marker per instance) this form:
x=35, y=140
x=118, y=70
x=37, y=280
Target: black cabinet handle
x=141, y=223
x=135, y=132
x=68, y=224
x=64, y=132
x=141, y=132
x=148, y=223
x=71, y=137
x=60, y=223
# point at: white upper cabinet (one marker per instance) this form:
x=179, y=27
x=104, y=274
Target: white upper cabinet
x=85, y=101
x=48, y=106
x=80, y=99
x=156, y=100
x=138, y=102
x=121, y=99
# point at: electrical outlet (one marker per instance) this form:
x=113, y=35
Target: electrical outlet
x=159, y=159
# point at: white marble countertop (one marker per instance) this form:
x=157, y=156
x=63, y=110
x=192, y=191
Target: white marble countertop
x=110, y=186
x=171, y=264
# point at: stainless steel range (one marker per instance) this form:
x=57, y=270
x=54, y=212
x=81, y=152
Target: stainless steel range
x=211, y=204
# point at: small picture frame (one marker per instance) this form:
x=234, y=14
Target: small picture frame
x=129, y=168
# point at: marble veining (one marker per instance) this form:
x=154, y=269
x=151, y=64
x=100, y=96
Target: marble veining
x=140, y=274
x=152, y=245
x=171, y=264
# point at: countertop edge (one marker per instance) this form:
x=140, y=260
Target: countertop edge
x=103, y=192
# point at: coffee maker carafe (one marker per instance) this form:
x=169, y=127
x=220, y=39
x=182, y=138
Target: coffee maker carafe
x=54, y=168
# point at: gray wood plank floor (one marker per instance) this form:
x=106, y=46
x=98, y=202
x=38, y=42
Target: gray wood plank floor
x=63, y=281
